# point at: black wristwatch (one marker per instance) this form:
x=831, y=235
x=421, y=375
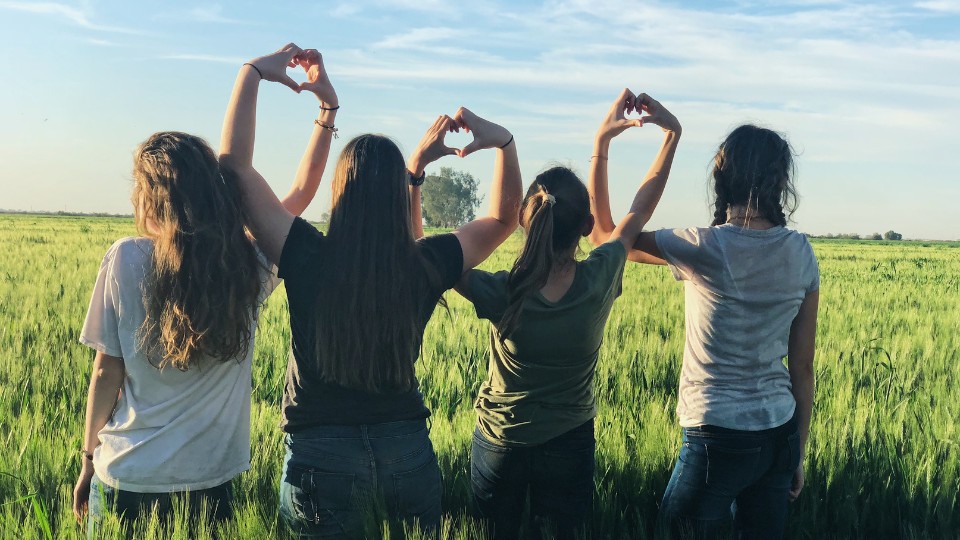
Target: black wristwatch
x=417, y=180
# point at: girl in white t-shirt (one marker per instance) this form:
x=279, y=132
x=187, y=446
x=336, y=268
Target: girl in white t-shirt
x=752, y=290
x=172, y=319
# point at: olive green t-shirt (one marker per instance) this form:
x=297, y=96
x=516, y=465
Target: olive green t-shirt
x=540, y=382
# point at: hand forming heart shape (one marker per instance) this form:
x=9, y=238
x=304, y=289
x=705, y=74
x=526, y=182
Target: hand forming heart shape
x=318, y=81
x=627, y=102
x=432, y=147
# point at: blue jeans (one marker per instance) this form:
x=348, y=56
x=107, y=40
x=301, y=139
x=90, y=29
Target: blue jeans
x=130, y=505
x=558, y=474
x=725, y=474
x=335, y=478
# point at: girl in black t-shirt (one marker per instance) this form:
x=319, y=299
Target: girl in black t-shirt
x=360, y=297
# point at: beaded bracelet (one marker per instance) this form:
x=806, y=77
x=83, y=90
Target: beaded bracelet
x=331, y=129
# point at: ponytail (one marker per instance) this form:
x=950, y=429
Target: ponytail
x=532, y=268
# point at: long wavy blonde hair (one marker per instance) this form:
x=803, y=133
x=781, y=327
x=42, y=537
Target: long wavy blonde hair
x=203, y=282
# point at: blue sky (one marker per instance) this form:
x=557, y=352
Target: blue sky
x=867, y=93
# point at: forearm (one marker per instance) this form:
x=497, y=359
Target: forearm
x=507, y=190
x=312, y=165
x=651, y=189
x=105, y=383
x=416, y=212
x=597, y=185
x=803, y=381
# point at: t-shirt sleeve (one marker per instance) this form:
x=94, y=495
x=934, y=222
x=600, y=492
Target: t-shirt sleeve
x=681, y=249
x=444, y=252
x=606, y=264
x=303, y=241
x=267, y=271
x=488, y=293
x=814, y=271
x=101, y=327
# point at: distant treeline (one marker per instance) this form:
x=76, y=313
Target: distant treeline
x=889, y=235
x=63, y=213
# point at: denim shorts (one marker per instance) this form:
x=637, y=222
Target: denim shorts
x=725, y=477
x=338, y=480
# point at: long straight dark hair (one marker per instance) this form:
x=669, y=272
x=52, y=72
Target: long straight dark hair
x=368, y=330
x=203, y=282
x=554, y=213
x=754, y=167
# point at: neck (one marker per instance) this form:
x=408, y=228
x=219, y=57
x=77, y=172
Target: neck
x=747, y=217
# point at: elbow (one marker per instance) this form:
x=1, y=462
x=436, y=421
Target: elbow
x=232, y=163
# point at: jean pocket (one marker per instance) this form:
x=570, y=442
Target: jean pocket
x=730, y=468
x=792, y=453
x=323, y=501
x=417, y=494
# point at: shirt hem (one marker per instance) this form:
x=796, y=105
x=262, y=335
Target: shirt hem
x=703, y=421
x=168, y=488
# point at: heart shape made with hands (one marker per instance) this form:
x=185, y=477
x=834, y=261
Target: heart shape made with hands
x=485, y=134
x=458, y=140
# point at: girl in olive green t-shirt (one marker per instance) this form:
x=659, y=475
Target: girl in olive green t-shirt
x=535, y=411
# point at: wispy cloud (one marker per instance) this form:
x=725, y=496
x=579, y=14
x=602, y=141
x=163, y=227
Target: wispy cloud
x=345, y=9
x=941, y=6
x=64, y=11
x=212, y=58
x=101, y=42
x=416, y=38
x=212, y=14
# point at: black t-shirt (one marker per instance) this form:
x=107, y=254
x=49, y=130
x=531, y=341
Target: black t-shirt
x=309, y=401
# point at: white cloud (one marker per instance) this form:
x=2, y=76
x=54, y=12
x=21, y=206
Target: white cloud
x=212, y=13
x=345, y=9
x=70, y=13
x=217, y=59
x=941, y=6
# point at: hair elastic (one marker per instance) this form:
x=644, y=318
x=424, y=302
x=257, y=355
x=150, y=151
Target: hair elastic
x=551, y=200
x=255, y=68
x=322, y=108
x=506, y=144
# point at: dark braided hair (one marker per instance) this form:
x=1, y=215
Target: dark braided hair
x=754, y=168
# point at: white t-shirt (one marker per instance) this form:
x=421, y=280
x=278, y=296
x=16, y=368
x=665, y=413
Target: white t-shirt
x=171, y=430
x=743, y=289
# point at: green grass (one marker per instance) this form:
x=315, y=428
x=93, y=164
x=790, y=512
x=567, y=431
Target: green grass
x=883, y=460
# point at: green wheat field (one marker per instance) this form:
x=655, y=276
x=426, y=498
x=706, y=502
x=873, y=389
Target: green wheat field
x=884, y=453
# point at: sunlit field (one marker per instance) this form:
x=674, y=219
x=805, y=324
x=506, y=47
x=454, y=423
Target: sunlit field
x=884, y=454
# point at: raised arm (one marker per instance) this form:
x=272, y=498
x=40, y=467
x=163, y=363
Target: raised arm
x=800, y=353
x=314, y=160
x=269, y=220
x=430, y=149
x=629, y=229
x=614, y=124
x=480, y=237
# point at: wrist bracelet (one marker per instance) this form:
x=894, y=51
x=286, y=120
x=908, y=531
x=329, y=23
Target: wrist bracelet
x=417, y=180
x=255, y=68
x=599, y=156
x=331, y=129
x=87, y=455
x=506, y=144
x=322, y=108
